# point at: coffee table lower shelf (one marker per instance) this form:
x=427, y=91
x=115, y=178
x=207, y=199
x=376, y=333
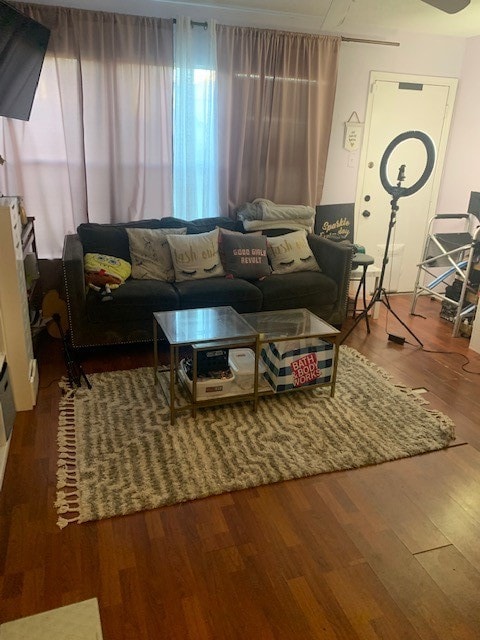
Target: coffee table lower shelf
x=183, y=398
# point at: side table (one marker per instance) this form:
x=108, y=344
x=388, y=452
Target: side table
x=364, y=261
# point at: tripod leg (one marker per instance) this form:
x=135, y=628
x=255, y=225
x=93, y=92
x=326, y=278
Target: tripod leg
x=74, y=368
x=82, y=375
x=77, y=368
x=376, y=297
x=357, y=320
x=386, y=302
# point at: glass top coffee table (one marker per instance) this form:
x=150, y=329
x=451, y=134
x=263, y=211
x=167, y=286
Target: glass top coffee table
x=217, y=327
x=289, y=324
x=201, y=329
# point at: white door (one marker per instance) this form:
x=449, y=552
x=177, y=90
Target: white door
x=399, y=104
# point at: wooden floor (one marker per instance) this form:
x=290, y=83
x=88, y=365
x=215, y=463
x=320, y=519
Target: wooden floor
x=389, y=551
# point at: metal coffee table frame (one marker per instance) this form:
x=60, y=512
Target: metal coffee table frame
x=216, y=327
x=201, y=330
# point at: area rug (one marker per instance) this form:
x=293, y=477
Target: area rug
x=118, y=452
x=78, y=621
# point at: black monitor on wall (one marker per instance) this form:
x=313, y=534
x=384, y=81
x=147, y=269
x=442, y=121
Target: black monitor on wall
x=23, y=43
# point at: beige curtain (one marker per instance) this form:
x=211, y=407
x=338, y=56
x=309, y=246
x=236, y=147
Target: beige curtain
x=276, y=93
x=98, y=145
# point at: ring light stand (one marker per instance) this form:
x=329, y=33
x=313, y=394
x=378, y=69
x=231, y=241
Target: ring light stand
x=397, y=192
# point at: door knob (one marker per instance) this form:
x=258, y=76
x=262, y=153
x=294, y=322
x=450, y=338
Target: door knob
x=366, y=213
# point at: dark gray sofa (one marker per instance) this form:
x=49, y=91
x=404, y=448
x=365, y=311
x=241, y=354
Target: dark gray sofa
x=127, y=318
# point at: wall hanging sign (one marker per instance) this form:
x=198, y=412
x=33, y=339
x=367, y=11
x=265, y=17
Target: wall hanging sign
x=353, y=133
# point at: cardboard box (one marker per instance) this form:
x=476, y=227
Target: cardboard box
x=298, y=363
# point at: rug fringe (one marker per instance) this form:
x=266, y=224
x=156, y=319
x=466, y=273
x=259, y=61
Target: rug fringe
x=68, y=500
x=408, y=391
x=371, y=365
x=62, y=522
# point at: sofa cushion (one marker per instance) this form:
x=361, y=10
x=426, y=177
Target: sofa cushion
x=134, y=300
x=290, y=253
x=195, y=256
x=243, y=296
x=202, y=225
x=150, y=253
x=244, y=256
x=111, y=239
x=297, y=290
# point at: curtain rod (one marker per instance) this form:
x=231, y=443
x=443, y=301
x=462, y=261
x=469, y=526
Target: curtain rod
x=362, y=41
x=194, y=23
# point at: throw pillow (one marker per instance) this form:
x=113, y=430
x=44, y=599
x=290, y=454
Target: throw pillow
x=150, y=253
x=101, y=270
x=195, y=256
x=291, y=252
x=245, y=256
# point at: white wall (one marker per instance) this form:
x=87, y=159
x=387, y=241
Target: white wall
x=417, y=54
x=462, y=166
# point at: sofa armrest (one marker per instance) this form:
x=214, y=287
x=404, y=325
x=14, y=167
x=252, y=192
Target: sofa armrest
x=75, y=288
x=335, y=261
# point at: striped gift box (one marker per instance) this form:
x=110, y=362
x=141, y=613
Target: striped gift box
x=298, y=363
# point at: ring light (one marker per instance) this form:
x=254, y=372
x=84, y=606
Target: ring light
x=396, y=190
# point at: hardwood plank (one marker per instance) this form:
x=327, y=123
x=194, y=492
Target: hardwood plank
x=365, y=601
x=458, y=580
x=400, y=514
x=420, y=599
x=313, y=610
x=388, y=551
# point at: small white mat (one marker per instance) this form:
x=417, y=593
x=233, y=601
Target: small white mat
x=80, y=621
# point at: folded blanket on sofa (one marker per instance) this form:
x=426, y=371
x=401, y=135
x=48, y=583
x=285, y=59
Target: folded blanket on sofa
x=272, y=211
x=254, y=225
x=249, y=211
x=265, y=214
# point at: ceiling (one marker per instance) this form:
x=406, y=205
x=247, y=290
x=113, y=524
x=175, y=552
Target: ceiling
x=358, y=18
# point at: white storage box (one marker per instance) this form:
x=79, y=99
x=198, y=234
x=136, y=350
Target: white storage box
x=210, y=387
x=242, y=364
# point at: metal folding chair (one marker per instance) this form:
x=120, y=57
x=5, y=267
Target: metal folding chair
x=456, y=252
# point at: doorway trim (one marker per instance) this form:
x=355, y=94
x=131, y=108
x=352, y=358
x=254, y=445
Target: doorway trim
x=452, y=84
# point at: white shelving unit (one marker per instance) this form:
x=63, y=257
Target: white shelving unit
x=15, y=333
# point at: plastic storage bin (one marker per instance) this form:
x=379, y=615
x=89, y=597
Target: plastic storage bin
x=242, y=364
